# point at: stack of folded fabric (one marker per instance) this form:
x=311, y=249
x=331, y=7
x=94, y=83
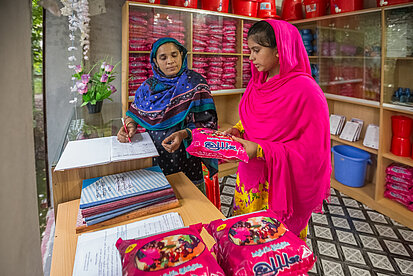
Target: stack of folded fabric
x=399, y=184
x=116, y=196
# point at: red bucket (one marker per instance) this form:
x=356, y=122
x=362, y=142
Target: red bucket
x=148, y=1
x=243, y=7
x=340, y=6
x=184, y=3
x=401, y=146
x=381, y=3
x=315, y=8
x=267, y=9
x=292, y=10
x=401, y=126
x=215, y=5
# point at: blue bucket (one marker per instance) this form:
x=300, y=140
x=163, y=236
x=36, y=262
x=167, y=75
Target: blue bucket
x=350, y=165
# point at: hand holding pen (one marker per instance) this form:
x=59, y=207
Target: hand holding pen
x=126, y=130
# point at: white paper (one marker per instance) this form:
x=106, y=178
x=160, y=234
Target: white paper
x=142, y=146
x=85, y=153
x=371, y=139
x=349, y=132
x=96, y=253
x=336, y=123
x=361, y=122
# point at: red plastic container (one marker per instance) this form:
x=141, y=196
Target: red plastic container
x=401, y=126
x=381, y=3
x=401, y=146
x=215, y=5
x=292, y=10
x=243, y=7
x=149, y=1
x=184, y=3
x=267, y=9
x=315, y=8
x=340, y=6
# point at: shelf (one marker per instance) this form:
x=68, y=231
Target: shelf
x=225, y=169
x=341, y=82
x=399, y=159
x=402, y=58
x=398, y=108
x=344, y=57
x=228, y=92
x=396, y=211
x=358, y=101
x=363, y=194
x=139, y=52
x=357, y=144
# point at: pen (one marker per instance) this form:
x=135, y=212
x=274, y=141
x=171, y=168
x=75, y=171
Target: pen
x=123, y=122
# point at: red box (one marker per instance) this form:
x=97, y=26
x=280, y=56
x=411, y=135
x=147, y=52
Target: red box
x=340, y=6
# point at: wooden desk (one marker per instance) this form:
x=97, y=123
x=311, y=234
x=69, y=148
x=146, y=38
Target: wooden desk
x=195, y=208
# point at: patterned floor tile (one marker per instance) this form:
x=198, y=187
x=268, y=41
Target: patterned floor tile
x=356, y=213
x=340, y=222
x=335, y=210
x=349, y=202
x=225, y=210
x=396, y=248
x=228, y=190
x=334, y=200
x=353, y=255
x=332, y=268
x=377, y=217
x=407, y=234
x=380, y=261
x=332, y=191
x=406, y=266
x=226, y=199
x=385, y=231
x=323, y=232
x=327, y=249
x=309, y=244
x=319, y=218
x=355, y=271
x=370, y=242
x=362, y=226
x=346, y=237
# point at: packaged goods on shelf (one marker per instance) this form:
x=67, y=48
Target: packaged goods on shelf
x=399, y=184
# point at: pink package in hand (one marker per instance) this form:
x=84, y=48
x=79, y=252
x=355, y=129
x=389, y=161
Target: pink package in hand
x=259, y=244
x=400, y=170
x=177, y=252
x=209, y=143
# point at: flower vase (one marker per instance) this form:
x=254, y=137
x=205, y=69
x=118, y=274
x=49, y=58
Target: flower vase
x=94, y=108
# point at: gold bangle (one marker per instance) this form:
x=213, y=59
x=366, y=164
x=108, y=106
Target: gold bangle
x=127, y=124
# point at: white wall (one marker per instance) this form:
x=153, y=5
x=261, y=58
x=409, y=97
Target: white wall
x=19, y=220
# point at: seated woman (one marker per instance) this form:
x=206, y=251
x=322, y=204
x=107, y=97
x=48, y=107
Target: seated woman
x=168, y=105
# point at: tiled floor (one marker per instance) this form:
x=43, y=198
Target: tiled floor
x=349, y=238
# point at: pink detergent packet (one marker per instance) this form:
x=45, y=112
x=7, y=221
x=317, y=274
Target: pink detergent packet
x=177, y=252
x=209, y=143
x=259, y=244
x=400, y=170
x=397, y=197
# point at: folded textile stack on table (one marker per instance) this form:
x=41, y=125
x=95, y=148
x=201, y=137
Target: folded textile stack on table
x=123, y=196
x=399, y=184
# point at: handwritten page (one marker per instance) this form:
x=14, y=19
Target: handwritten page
x=96, y=253
x=85, y=153
x=142, y=146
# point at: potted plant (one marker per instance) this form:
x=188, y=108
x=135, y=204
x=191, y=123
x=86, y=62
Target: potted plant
x=95, y=87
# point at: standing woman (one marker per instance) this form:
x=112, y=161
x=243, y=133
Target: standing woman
x=170, y=104
x=285, y=129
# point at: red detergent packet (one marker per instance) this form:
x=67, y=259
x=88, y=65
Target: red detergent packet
x=259, y=244
x=209, y=143
x=400, y=170
x=177, y=252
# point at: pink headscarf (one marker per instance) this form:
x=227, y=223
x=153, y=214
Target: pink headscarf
x=288, y=116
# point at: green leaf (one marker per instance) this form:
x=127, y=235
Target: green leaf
x=84, y=103
x=93, y=101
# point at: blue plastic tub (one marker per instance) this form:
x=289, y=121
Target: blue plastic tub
x=350, y=165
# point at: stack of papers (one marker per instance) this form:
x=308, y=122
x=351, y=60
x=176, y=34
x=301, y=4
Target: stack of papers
x=110, y=196
x=352, y=129
x=98, y=151
x=371, y=139
x=96, y=253
x=336, y=124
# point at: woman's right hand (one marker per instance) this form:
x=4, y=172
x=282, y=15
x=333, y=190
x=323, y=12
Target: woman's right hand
x=233, y=132
x=123, y=135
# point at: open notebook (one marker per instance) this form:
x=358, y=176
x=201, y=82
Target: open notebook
x=98, y=151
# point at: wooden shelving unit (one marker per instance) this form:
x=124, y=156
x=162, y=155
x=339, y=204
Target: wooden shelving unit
x=393, y=72
x=366, y=29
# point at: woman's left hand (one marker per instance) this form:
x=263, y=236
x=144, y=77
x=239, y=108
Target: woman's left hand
x=173, y=141
x=250, y=147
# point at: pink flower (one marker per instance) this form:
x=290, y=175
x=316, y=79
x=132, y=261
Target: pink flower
x=108, y=68
x=112, y=88
x=104, y=78
x=81, y=87
x=85, y=78
x=241, y=233
x=103, y=65
x=78, y=68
